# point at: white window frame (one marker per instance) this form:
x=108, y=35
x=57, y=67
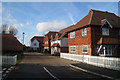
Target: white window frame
x=107, y=49
x=72, y=35
x=83, y=48
x=73, y=49
x=105, y=33
x=84, y=32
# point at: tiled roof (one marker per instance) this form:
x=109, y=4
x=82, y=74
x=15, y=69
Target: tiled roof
x=95, y=17
x=55, y=45
x=10, y=43
x=38, y=38
x=53, y=33
x=62, y=32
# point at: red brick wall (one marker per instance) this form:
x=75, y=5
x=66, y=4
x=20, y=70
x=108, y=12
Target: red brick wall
x=79, y=40
x=79, y=50
x=46, y=45
x=46, y=39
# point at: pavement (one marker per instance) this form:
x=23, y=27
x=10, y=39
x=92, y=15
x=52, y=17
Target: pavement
x=36, y=66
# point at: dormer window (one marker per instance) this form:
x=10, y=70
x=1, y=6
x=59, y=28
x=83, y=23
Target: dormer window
x=105, y=31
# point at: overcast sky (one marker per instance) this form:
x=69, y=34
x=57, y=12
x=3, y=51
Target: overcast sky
x=37, y=18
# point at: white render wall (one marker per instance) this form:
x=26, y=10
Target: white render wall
x=63, y=42
x=57, y=41
x=37, y=44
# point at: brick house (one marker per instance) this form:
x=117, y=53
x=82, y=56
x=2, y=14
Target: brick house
x=59, y=43
x=98, y=33
x=37, y=43
x=10, y=45
x=47, y=44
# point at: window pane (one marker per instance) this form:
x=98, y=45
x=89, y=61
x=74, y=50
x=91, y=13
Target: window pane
x=84, y=32
x=105, y=31
x=85, y=49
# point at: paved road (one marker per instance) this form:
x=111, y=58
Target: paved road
x=38, y=66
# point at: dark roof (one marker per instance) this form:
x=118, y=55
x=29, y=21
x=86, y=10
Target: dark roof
x=40, y=39
x=10, y=43
x=53, y=33
x=55, y=45
x=62, y=32
x=95, y=17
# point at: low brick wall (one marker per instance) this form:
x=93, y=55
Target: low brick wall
x=106, y=62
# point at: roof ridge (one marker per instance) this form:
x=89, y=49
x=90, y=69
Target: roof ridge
x=91, y=17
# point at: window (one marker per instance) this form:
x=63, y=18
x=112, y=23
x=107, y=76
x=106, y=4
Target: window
x=56, y=50
x=105, y=31
x=84, y=32
x=85, y=49
x=46, y=42
x=72, y=35
x=35, y=44
x=106, y=50
x=72, y=48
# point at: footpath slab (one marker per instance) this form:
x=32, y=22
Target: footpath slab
x=99, y=70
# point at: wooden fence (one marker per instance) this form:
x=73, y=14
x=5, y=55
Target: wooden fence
x=106, y=62
x=9, y=60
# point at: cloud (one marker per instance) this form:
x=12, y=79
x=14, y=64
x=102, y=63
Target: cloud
x=21, y=25
x=47, y=26
x=28, y=23
x=11, y=21
x=71, y=18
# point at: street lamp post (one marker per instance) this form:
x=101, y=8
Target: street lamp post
x=23, y=38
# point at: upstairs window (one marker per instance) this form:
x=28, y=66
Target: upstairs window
x=84, y=32
x=72, y=35
x=105, y=31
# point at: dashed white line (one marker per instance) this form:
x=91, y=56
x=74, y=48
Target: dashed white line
x=91, y=72
x=50, y=73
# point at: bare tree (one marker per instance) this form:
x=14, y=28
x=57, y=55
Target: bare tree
x=13, y=30
x=4, y=28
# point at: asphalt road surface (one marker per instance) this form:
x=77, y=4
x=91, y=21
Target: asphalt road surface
x=38, y=66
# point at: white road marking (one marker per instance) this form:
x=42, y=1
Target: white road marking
x=9, y=69
x=50, y=73
x=91, y=72
x=4, y=69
